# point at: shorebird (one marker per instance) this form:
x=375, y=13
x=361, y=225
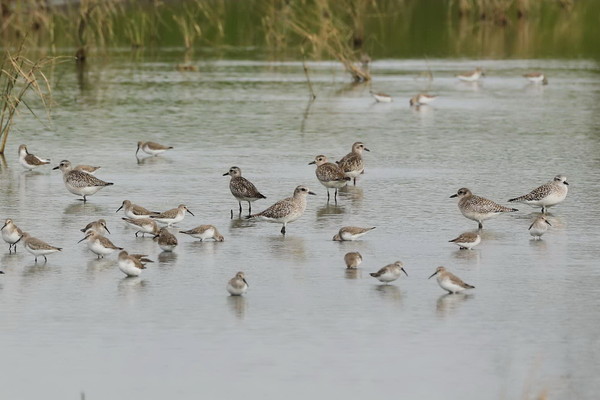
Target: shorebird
x=381, y=97
x=536, y=77
x=204, y=232
x=134, y=211
x=87, y=168
x=143, y=225
x=242, y=189
x=352, y=259
x=390, y=272
x=547, y=195
x=130, y=265
x=478, y=208
x=467, y=240
x=30, y=161
x=286, y=210
x=11, y=234
x=38, y=247
x=351, y=233
x=450, y=282
x=151, y=148
x=96, y=226
x=352, y=163
x=172, y=216
x=329, y=175
x=78, y=182
x=539, y=227
x=237, y=285
x=98, y=244
x=421, y=99
x=471, y=76
x=166, y=240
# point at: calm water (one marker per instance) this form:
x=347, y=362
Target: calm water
x=306, y=328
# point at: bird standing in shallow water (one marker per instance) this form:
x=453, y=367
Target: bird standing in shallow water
x=151, y=148
x=467, y=240
x=242, y=189
x=547, y=195
x=329, y=175
x=539, y=227
x=478, y=208
x=450, y=282
x=11, y=234
x=204, y=232
x=172, y=216
x=130, y=265
x=38, y=247
x=28, y=160
x=352, y=259
x=166, y=240
x=98, y=244
x=96, y=226
x=390, y=272
x=237, y=285
x=78, y=182
x=352, y=163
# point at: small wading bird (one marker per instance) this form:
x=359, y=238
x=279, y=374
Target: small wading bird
x=547, y=195
x=329, y=175
x=390, y=272
x=450, y=282
x=28, y=160
x=78, y=182
x=242, y=189
x=151, y=148
x=237, y=285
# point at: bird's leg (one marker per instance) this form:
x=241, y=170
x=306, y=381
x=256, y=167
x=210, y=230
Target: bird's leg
x=231, y=214
x=335, y=196
x=136, y=234
x=36, y=259
x=45, y=259
x=240, y=203
x=249, y=208
x=327, y=195
x=283, y=230
x=354, y=181
x=480, y=225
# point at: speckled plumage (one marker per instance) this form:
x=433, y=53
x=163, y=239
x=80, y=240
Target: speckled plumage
x=11, y=234
x=37, y=247
x=351, y=233
x=450, y=282
x=478, y=208
x=329, y=174
x=547, y=195
x=352, y=163
x=353, y=259
x=286, y=210
x=143, y=225
x=204, y=232
x=467, y=240
x=78, y=182
x=237, y=285
x=28, y=160
x=98, y=226
x=135, y=211
x=242, y=189
x=390, y=272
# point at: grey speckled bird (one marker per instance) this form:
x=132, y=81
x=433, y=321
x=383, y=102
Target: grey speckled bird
x=352, y=163
x=330, y=175
x=478, y=208
x=547, y=195
x=78, y=182
x=242, y=189
x=286, y=210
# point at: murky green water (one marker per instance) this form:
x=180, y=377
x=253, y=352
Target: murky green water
x=306, y=328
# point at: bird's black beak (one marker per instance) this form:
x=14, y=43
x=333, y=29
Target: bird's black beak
x=3, y=226
x=119, y=208
x=189, y=212
x=86, y=236
x=432, y=275
x=136, y=152
x=566, y=183
x=548, y=222
x=313, y=193
x=246, y=282
x=312, y=162
x=366, y=149
x=226, y=173
x=107, y=230
x=454, y=195
x=404, y=271
x=56, y=167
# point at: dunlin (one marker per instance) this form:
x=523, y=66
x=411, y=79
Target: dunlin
x=539, y=227
x=467, y=240
x=351, y=233
x=381, y=97
x=242, y=189
x=390, y=272
x=96, y=226
x=129, y=265
x=134, y=211
x=330, y=175
x=352, y=163
x=547, y=195
x=352, y=259
x=536, y=77
x=78, y=182
x=478, y=208
x=286, y=210
x=11, y=234
x=172, y=216
x=450, y=282
x=151, y=148
x=237, y=285
x=28, y=160
x=98, y=244
x=471, y=76
x=87, y=168
x=143, y=225
x=38, y=247
x=204, y=232
x=166, y=240
x=421, y=99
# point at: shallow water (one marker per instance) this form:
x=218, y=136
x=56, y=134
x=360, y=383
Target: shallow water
x=307, y=327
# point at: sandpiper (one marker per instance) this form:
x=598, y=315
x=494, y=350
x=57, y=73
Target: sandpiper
x=129, y=265
x=330, y=175
x=87, y=168
x=96, y=226
x=421, y=99
x=536, y=77
x=539, y=227
x=547, y=195
x=98, y=244
x=351, y=233
x=471, y=76
x=450, y=282
x=467, y=240
x=11, y=234
x=172, y=216
x=166, y=240
x=390, y=272
x=204, y=232
x=151, y=148
x=143, y=225
x=242, y=189
x=237, y=285
x=352, y=163
x=478, y=208
x=142, y=257
x=381, y=97
x=78, y=182
x=286, y=210
x=38, y=247
x=28, y=160
x=352, y=259
x=134, y=211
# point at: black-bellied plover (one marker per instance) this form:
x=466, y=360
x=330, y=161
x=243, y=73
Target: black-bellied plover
x=242, y=189
x=547, y=195
x=478, y=208
x=330, y=175
x=28, y=160
x=450, y=282
x=390, y=272
x=78, y=182
x=204, y=232
x=352, y=163
x=237, y=285
x=351, y=233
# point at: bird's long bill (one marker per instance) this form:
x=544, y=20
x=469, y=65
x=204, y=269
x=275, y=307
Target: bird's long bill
x=3, y=226
x=454, y=195
x=86, y=236
x=313, y=193
x=189, y=212
x=548, y=222
x=246, y=282
x=364, y=148
x=432, y=275
x=312, y=162
x=566, y=183
x=20, y=237
x=136, y=152
x=107, y=230
x=118, y=209
x=55, y=167
x=226, y=173
x=404, y=271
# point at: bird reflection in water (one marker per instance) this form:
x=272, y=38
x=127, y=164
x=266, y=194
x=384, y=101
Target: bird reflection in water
x=448, y=303
x=237, y=305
